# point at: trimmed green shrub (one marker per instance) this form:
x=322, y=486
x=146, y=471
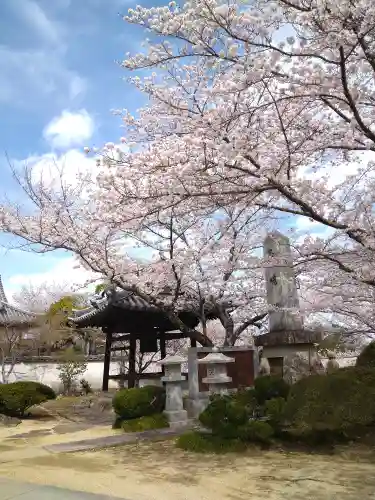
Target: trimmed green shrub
x=224, y=416
x=338, y=402
x=200, y=442
x=274, y=410
x=256, y=431
x=269, y=387
x=138, y=402
x=366, y=358
x=246, y=397
x=17, y=397
x=46, y=390
x=157, y=421
x=230, y=418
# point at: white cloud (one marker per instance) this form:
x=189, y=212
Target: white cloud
x=64, y=272
x=69, y=129
x=50, y=168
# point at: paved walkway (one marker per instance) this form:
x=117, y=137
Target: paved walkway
x=113, y=440
x=11, y=490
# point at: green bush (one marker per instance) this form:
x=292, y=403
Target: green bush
x=229, y=417
x=157, y=421
x=46, y=390
x=256, y=431
x=274, y=410
x=17, y=397
x=269, y=387
x=138, y=402
x=200, y=442
x=367, y=356
x=337, y=402
x=246, y=397
x=224, y=416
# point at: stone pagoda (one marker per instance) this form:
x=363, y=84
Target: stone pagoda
x=286, y=335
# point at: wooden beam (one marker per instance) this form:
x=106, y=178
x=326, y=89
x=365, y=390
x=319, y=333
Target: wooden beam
x=163, y=348
x=132, y=366
x=121, y=338
x=193, y=343
x=141, y=376
x=168, y=336
x=124, y=348
x=107, y=361
x=125, y=376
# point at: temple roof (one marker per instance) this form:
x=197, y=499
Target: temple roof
x=125, y=312
x=11, y=315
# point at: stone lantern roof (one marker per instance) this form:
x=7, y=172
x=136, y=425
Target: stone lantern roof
x=216, y=357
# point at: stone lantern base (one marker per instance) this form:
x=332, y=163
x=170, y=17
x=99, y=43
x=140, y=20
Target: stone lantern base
x=177, y=419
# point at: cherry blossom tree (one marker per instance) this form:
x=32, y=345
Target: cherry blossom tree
x=207, y=262
x=38, y=298
x=263, y=105
x=338, y=304
x=213, y=261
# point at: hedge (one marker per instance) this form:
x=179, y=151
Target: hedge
x=46, y=390
x=224, y=416
x=268, y=387
x=199, y=442
x=339, y=401
x=17, y=397
x=138, y=402
x=157, y=421
x=230, y=418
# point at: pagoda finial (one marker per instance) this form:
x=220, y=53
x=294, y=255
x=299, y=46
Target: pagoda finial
x=3, y=297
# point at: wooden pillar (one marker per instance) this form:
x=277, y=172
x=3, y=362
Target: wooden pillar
x=132, y=365
x=193, y=342
x=107, y=360
x=163, y=348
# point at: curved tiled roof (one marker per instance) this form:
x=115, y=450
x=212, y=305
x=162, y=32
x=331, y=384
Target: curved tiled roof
x=124, y=300
x=11, y=315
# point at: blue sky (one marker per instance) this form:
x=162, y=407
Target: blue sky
x=59, y=82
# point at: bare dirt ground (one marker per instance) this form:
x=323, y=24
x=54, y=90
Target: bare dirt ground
x=159, y=471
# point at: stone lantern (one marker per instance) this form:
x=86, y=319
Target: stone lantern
x=174, y=407
x=217, y=377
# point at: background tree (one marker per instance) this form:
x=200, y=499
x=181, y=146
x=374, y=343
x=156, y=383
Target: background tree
x=38, y=297
x=55, y=325
x=10, y=347
x=71, y=367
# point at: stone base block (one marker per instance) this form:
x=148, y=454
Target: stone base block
x=288, y=337
x=177, y=418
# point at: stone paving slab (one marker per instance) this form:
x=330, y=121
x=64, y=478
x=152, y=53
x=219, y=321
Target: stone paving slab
x=117, y=440
x=31, y=434
x=11, y=490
